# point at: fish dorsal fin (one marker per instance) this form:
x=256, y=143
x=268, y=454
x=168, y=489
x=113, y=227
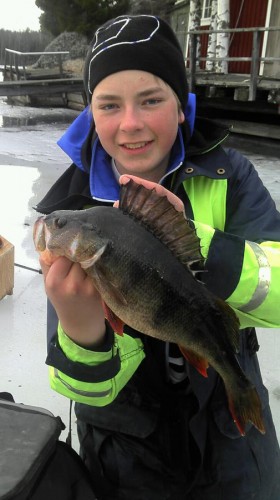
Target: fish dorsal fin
x=160, y=217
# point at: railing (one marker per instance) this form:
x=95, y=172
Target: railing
x=17, y=59
x=255, y=57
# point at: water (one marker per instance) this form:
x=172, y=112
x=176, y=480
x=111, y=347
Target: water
x=28, y=135
x=12, y=115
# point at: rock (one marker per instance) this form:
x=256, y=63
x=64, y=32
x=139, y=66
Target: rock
x=73, y=67
x=75, y=43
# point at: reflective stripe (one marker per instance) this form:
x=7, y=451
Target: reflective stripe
x=262, y=288
x=100, y=394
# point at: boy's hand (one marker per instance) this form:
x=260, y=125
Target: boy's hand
x=76, y=301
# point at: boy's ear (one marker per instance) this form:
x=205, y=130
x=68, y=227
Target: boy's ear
x=181, y=117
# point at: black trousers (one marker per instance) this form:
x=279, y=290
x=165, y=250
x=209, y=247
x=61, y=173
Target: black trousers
x=166, y=465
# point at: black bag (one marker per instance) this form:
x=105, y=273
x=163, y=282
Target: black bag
x=34, y=464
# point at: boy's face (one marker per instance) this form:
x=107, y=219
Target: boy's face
x=136, y=115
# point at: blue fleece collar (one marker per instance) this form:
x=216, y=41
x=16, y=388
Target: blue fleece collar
x=103, y=183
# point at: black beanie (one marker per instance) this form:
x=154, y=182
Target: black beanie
x=142, y=42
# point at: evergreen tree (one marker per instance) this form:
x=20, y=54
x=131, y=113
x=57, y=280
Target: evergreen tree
x=81, y=16
x=154, y=7
x=23, y=41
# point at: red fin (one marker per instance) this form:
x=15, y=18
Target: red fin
x=245, y=406
x=116, y=323
x=201, y=364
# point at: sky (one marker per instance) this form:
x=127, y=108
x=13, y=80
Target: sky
x=18, y=15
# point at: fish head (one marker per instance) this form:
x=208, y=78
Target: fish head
x=68, y=233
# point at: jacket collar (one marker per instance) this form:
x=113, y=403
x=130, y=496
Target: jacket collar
x=103, y=183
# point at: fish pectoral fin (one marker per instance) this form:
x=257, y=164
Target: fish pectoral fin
x=85, y=264
x=200, y=363
x=116, y=323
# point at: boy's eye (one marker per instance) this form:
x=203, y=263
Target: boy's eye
x=108, y=106
x=152, y=101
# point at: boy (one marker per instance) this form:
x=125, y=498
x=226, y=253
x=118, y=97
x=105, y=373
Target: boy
x=150, y=426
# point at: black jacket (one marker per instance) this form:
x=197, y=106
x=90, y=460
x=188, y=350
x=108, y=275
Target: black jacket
x=192, y=415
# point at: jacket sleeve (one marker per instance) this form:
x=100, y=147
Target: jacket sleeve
x=86, y=376
x=243, y=261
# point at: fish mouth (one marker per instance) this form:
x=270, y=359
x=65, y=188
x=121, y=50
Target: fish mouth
x=39, y=236
x=43, y=242
x=42, y=237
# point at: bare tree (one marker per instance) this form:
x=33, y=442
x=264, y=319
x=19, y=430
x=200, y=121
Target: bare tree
x=154, y=7
x=194, y=24
x=222, y=45
x=212, y=39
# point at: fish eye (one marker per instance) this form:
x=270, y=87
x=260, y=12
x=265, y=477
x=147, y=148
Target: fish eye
x=60, y=222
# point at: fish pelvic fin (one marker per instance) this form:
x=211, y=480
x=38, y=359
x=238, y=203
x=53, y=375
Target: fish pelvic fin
x=116, y=323
x=245, y=406
x=161, y=218
x=200, y=363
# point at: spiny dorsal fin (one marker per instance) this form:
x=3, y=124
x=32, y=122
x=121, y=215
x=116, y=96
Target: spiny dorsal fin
x=160, y=217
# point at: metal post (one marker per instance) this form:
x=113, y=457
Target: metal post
x=254, y=65
x=60, y=65
x=5, y=66
x=23, y=67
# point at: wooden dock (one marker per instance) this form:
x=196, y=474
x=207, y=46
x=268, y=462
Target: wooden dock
x=235, y=81
x=41, y=87
x=62, y=92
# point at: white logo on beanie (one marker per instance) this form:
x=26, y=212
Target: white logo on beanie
x=108, y=37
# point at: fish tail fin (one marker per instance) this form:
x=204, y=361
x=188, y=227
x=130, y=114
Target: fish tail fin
x=245, y=406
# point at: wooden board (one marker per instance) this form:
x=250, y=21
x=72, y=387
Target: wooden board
x=6, y=267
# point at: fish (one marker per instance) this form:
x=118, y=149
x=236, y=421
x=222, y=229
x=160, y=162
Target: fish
x=145, y=259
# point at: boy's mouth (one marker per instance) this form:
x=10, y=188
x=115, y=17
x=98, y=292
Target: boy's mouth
x=136, y=145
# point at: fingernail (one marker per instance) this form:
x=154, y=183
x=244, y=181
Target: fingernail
x=124, y=179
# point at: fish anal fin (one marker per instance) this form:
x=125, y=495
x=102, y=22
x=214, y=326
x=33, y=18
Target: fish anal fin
x=245, y=406
x=116, y=323
x=200, y=363
x=162, y=219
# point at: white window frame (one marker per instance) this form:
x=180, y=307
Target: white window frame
x=205, y=21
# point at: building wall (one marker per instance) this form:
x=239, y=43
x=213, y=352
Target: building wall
x=179, y=20
x=248, y=13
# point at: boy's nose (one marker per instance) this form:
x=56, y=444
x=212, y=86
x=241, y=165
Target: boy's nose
x=131, y=120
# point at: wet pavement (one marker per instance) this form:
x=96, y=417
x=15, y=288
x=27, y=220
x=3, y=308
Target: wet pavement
x=30, y=161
